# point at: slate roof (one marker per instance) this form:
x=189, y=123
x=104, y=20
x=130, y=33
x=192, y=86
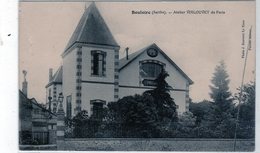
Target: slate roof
x=92, y=29
x=57, y=77
x=124, y=62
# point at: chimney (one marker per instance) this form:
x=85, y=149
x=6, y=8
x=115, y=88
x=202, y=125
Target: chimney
x=25, y=84
x=126, y=50
x=50, y=74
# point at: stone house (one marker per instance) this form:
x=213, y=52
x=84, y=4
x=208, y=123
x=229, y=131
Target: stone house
x=93, y=75
x=37, y=125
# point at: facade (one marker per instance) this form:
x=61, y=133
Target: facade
x=37, y=125
x=138, y=72
x=92, y=74
x=54, y=89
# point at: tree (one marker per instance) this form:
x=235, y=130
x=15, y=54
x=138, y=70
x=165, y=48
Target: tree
x=132, y=116
x=220, y=93
x=200, y=110
x=82, y=126
x=220, y=122
x=186, y=125
x=247, y=110
x=163, y=101
x=148, y=115
x=246, y=128
x=79, y=123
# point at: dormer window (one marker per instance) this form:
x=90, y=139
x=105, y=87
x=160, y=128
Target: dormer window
x=149, y=71
x=98, y=63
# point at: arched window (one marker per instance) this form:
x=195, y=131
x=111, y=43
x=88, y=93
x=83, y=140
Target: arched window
x=149, y=71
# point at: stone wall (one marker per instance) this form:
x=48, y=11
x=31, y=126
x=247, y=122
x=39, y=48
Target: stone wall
x=114, y=144
x=38, y=147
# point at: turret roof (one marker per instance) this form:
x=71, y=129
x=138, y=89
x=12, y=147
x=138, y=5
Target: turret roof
x=92, y=29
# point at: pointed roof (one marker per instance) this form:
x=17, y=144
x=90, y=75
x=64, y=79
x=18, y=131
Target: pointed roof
x=124, y=62
x=92, y=29
x=57, y=77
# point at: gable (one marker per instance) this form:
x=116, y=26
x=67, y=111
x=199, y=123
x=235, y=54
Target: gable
x=132, y=57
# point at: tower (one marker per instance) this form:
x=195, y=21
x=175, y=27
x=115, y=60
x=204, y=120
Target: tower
x=90, y=65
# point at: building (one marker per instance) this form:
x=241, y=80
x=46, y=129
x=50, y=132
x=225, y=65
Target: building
x=37, y=125
x=54, y=90
x=93, y=75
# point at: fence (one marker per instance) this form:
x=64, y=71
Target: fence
x=94, y=129
x=41, y=137
x=34, y=138
x=136, y=144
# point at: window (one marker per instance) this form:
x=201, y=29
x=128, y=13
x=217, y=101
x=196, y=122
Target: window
x=98, y=63
x=68, y=103
x=149, y=71
x=97, y=108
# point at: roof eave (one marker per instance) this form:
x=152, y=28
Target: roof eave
x=176, y=66
x=76, y=44
x=51, y=83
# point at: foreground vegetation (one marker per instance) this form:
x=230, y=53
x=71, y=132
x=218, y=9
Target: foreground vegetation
x=153, y=114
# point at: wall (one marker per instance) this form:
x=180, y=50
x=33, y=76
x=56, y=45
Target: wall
x=166, y=144
x=86, y=64
x=25, y=115
x=34, y=118
x=58, y=90
x=55, y=102
x=95, y=87
x=38, y=147
x=69, y=78
x=52, y=135
x=179, y=96
x=96, y=91
x=129, y=76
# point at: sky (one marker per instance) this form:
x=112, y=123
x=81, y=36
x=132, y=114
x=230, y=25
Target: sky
x=195, y=42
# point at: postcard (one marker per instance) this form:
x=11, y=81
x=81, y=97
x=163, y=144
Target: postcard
x=137, y=76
